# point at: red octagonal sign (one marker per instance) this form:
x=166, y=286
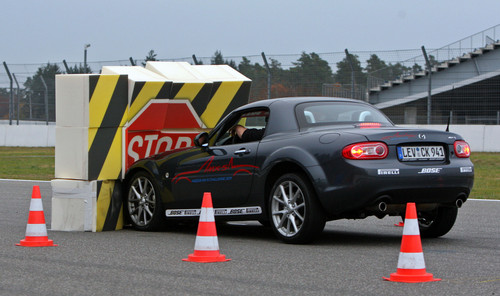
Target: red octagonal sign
x=161, y=125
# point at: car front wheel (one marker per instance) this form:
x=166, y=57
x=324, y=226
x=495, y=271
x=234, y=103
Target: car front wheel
x=438, y=222
x=295, y=214
x=143, y=203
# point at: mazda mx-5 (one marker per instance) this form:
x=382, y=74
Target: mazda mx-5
x=296, y=163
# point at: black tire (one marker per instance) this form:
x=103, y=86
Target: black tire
x=437, y=223
x=265, y=223
x=143, y=203
x=294, y=211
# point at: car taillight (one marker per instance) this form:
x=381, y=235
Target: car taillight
x=369, y=125
x=366, y=150
x=462, y=149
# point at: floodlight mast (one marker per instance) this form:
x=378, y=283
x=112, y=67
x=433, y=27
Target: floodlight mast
x=85, y=56
x=429, y=91
x=11, y=100
x=268, y=75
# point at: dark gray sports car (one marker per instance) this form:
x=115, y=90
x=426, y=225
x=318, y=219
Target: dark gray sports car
x=295, y=163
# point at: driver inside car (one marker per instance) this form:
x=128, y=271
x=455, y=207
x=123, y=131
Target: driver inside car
x=247, y=134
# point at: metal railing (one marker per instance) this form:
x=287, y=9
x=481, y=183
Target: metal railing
x=275, y=80
x=446, y=53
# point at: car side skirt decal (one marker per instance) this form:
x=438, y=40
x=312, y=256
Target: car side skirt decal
x=217, y=212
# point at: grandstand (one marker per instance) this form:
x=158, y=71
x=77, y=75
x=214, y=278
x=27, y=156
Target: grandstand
x=465, y=89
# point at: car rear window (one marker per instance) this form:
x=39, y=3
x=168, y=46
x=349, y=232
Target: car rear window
x=335, y=113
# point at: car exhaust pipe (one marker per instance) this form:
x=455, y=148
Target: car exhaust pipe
x=382, y=206
x=461, y=198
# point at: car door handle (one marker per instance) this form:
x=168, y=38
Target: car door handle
x=242, y=151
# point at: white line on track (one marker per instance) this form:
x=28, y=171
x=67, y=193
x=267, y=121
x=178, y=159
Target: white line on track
x=16, y=180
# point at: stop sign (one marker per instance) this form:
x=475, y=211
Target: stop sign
x=161, y=125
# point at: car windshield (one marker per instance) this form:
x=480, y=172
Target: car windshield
x=334, y=113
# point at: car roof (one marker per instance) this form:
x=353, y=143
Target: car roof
x=284, y=108
x=295, y=101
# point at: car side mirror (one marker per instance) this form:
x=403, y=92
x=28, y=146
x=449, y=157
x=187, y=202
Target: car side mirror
x=201, y=140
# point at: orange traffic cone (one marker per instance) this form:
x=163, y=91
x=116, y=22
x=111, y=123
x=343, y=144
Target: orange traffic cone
x=411, y=264
x=206, y=246
x=36, y=231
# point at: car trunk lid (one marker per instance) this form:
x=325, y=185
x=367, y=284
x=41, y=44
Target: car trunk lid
x=400, y=135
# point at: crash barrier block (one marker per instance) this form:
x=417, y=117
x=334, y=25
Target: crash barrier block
x=86, y=205
x=207, y=87
x=74, y=202
x=88, y=153
x=109, y=203
x=107, y=121
x=90, y=112
x=91, y=100
x=143, y=86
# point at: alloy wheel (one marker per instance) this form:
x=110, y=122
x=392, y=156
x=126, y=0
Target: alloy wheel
x=288, y=208
x=141, y=201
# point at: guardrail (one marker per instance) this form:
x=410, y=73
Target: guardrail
x=28, y=135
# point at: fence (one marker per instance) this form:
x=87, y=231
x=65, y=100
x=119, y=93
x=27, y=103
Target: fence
x=340, y=74
x=416, y=64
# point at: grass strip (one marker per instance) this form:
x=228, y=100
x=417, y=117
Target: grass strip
x=37, y=163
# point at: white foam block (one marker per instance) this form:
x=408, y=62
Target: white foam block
x=71, y=157
x=72, y=97
x=73, y=205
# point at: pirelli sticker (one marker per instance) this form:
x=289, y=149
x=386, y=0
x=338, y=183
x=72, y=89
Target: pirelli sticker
x=388, y=171
x=217, y=212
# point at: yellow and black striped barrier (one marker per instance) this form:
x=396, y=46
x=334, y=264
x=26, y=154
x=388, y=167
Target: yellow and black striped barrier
x=92, y=113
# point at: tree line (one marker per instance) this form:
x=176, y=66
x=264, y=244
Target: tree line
x=306, y=77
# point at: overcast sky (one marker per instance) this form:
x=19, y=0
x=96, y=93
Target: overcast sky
x=53, y=30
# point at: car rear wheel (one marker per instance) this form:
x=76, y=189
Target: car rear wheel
x=438, y=222
x=143, y=202
x=295, y=214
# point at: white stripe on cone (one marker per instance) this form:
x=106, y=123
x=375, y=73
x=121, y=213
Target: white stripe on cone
x=207, y=215
x=411, y=261
x=411, y=227
x=36, y=230
x=36, y=204
x=206, y=243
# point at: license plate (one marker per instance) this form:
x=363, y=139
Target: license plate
x=418, y=153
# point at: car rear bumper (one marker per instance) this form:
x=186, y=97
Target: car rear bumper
x=366, y=187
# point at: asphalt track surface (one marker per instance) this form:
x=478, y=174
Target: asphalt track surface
x=349, y=258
